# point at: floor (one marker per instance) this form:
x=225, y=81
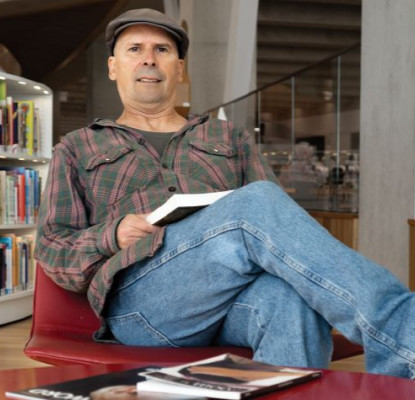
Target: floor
x=14, y=336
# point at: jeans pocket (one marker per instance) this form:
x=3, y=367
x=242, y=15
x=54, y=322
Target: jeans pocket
x=134, y=330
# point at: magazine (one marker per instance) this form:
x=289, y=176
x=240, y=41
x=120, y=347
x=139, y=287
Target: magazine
x=181, y=205
x=225, y=377
x=114, y=385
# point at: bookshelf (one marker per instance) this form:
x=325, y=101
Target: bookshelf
x=18, y=304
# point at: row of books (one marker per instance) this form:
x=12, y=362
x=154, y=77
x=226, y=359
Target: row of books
x=16, y=263
x=20, y=190
x=19, y=127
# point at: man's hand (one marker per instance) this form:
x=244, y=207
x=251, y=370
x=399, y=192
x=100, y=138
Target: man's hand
x=133, y=227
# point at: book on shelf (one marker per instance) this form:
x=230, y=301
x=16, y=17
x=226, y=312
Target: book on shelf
x=181, y=205
x=19, y=195
x=7, y=243
x=119, y=385
x=19, y=126
x=16, y=263
x=3, y=89
x=26, y=126
x=224, y=377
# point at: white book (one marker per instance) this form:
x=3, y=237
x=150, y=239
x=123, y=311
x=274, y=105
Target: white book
x=181, y=205
x=223, y=377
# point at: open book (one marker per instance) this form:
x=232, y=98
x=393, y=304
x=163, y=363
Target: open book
x=224, y=377
x=181, y=205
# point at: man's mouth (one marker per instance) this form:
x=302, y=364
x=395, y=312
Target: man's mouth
x=148, y=80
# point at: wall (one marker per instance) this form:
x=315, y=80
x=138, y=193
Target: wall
x=387, y=183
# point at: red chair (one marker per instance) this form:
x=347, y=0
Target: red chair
x=62, y=328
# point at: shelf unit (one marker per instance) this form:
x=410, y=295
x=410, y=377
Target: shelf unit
x=19, y=305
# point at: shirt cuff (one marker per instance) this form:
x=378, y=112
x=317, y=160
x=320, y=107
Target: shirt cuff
x=107, y=241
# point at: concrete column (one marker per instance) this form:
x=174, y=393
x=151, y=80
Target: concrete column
x=387, y=186
x=240, y=75
x=208, y=23
x=221, y=60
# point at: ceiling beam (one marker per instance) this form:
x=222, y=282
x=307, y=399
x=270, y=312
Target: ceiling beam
x=10, y=8
x=309, y=15
x=336, y=2
x=303, y=37
x=55, y=75
x=305, y=56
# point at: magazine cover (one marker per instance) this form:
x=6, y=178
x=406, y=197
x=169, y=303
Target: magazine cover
x=112, y=386
x=226, y=377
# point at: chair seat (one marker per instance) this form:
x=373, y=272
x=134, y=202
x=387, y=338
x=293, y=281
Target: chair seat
x=63, y=324
x=63, y=349
x=80, y=350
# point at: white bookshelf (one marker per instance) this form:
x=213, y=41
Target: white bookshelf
x=19, y=305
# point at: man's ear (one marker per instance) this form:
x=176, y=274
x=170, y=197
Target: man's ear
x=180, y=71
x=111, y=68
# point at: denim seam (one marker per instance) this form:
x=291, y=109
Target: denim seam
x=147, y=325
x=344, y=295
x=384, y=339
x=254, y=312
x=347, y=297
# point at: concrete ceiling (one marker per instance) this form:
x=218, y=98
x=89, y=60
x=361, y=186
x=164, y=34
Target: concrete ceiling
x=46, y=35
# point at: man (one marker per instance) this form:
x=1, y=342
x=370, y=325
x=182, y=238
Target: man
x=253, y=269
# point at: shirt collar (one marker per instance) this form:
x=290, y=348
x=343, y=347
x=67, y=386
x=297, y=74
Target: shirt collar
x=192, y=120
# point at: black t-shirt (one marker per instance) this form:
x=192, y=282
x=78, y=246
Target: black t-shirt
x=158, y=140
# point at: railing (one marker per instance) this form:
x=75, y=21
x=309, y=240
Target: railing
x=307, y=126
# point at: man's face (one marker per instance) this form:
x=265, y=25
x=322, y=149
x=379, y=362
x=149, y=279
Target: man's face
x=146, y=67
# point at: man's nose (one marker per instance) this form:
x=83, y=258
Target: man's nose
x=149, y=58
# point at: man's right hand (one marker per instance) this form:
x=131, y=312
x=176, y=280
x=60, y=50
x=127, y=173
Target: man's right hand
x=133, y=227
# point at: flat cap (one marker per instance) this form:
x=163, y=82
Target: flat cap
x=147, y=16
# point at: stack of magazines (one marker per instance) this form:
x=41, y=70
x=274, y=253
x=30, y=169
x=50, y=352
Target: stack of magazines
x=223, y=377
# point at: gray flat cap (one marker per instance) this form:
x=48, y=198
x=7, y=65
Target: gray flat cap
x=147, y=16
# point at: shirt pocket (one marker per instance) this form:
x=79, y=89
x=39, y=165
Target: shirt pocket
x=107, y=157
x=214, y=163
x=112, y=175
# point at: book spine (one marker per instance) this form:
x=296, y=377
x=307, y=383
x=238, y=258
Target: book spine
x=16, y=261
x=8, y=287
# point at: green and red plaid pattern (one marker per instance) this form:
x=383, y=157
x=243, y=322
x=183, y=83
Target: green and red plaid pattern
x=100, y=173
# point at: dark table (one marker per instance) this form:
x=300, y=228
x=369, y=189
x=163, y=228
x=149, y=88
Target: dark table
x=333, y=384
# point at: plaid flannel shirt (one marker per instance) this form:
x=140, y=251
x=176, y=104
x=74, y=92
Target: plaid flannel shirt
x=100, y=173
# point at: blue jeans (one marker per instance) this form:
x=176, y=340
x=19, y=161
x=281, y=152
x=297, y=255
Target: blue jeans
x=254, y=269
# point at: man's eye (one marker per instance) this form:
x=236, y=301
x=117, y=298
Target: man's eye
x=162, y=49
x=133, y=49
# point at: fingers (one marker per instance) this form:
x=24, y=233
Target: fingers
x=133, y=227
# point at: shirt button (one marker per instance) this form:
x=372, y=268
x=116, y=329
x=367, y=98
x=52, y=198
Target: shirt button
x=141, y=141
x=164, y=165
x=107, y=159
x=172, y=189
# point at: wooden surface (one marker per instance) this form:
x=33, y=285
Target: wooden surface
x=13, y=338
x=343, y=226
x=411, y=223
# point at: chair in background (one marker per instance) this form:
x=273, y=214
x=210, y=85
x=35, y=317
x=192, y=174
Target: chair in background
x=62, y=328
